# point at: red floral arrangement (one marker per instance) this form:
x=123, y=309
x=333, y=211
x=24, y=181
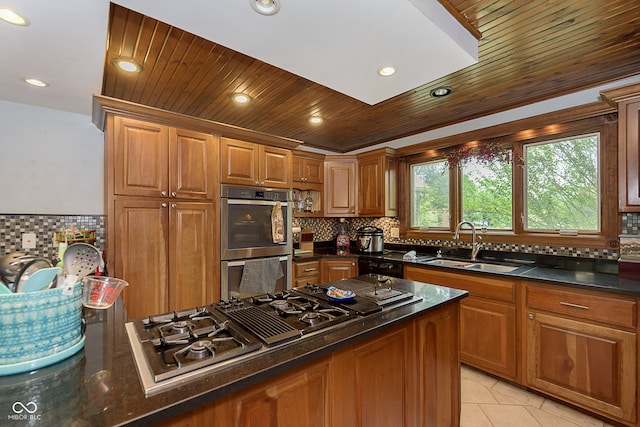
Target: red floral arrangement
x=484, y=153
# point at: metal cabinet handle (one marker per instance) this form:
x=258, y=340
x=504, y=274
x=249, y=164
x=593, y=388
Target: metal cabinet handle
x=164, y=193
x=164, y=205
x=173, y=205
x=568, y=304
x=173, y=194
x=530, y=316
x=310, y=269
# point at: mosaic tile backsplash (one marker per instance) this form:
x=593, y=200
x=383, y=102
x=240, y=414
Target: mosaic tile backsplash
x=327, y=229
x=44, y=226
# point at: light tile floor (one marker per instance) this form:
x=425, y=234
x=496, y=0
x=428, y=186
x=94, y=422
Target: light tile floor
x=489, y=402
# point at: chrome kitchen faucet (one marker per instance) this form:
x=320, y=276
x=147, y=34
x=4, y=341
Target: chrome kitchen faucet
x=475, y=245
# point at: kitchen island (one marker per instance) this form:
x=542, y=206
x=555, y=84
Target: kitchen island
x=394, y=367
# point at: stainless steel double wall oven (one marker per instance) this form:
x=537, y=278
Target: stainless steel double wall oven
x=247, y=239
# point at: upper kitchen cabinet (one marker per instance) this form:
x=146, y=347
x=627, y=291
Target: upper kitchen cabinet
x=377, y=193
x=340, y=186
x=307, y=168
x=627, y=100
x=246, y=163
x=308, y=176
x=153, y=160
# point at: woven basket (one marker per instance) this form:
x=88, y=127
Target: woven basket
x=35, y=327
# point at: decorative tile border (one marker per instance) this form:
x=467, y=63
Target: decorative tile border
x=326, y=229
x=12, y=226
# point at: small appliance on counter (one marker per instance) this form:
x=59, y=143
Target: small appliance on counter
x=369, y=240
x=629, y=261
x=306, y=239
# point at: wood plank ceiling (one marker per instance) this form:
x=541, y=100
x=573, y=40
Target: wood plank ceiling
x=530, y=50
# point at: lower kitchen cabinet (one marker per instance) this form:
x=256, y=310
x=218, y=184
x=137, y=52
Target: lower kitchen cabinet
x=338, y=268
x=582, y=348
x=406, y=376
x=488, y=318
x=306, y=272
x=165, y=251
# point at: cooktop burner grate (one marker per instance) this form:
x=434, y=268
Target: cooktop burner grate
x=270, y=329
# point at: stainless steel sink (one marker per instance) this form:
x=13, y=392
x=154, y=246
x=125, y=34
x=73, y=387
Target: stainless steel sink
x=452, y=263
x=494, y=267
x=498, y=268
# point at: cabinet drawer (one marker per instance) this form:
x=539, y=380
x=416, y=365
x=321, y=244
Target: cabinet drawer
x=589, y=306
x=307, y=268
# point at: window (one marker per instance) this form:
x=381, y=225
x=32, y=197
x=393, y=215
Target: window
x=487, y=194
x=430, y=195
x=562, y=185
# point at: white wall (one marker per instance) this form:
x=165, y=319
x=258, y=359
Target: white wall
x=51, y=162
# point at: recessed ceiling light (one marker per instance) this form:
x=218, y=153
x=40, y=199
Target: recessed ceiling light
x=126, y=64
x=386, y=71
x=12, y=17
x=266, y=7
x=241, y=98
x=441, y=91
x=35, y=82
x=315, y=120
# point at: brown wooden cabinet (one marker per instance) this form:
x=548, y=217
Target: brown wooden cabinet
x=488, y=318
x=582, y=347
x=338, y=268
x=154, y=160
x=307, y=167
x=407, y=376
x=246, y=163
x=627, y=100
x=377, y=192
x=306, y=272
x=160, y=191
x=340, y=186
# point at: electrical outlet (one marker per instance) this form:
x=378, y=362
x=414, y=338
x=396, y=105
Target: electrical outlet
x=28, y=240
x=395, y=232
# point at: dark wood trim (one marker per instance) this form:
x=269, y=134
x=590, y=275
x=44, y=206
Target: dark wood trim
x=103, y=105
x=509, y=129
x=621, y=94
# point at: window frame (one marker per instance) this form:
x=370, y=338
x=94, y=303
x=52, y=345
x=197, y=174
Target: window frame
x=604, y=124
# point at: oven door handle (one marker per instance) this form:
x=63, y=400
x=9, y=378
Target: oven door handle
x=242, y=262
x=255, y=202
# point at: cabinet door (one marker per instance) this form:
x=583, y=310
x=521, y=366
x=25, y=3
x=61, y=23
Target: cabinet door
x=340, y=189
x=141, y=243
x=193, y=165
x=313, y=171
x=140, y=158
x=191, y=263
x=589, y=365
x=338, y=269
x=371, y=187
x=240, y=162
x=300, y=398
x=375, y=380
x=488, y=335
x=629, y=156
x=275, y=167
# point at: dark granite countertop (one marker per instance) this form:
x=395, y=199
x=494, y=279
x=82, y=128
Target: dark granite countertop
x=594, y=274
x=99, y=386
